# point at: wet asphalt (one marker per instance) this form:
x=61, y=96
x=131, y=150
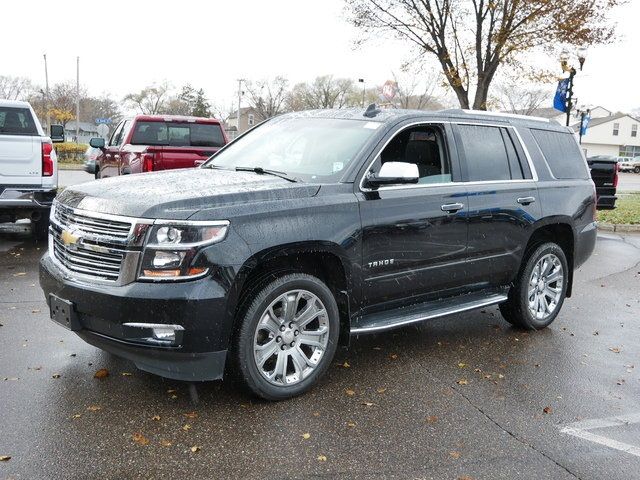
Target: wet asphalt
x=466, y=397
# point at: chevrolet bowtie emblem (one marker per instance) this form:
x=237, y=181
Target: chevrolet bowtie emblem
x=69, y=238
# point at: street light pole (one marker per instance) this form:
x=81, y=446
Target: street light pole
x=361, y=80
x=47, y=97
x=240, y=80
x=572, y=73
x=581, y=53
x=77, y=99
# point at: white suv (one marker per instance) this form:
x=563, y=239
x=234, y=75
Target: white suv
x=28, y=166
x=630, y=165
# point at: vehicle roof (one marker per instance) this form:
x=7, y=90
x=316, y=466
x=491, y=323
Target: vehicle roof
x=392, y=115
x=13, y=103
x=179, y=118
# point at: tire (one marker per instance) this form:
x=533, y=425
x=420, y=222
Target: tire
x=96, y=174
x=259, y=334
x=636, y=170
x=40, y=227
x=519, y=309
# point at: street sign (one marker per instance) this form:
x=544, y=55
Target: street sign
x=389, y=89
x=103, y=121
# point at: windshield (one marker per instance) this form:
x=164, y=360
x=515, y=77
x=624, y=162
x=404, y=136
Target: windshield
x=312, y=149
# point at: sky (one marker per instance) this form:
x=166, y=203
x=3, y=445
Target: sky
x=126, y=45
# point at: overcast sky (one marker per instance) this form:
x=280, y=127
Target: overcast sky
x=124, y=46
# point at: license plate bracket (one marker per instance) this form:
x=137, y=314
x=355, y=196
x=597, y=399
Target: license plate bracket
x=63, y=312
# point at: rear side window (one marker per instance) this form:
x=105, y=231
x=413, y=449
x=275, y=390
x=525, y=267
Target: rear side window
x=178, y=134
x=490, y=154
x=562, y=154
x=17, y=121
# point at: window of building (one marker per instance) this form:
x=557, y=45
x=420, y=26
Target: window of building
x=616, y=129
x=634, y=130
x=629, y=151
x=250, y=119
x=422, y=146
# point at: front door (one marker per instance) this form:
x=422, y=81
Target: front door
x=414, y=237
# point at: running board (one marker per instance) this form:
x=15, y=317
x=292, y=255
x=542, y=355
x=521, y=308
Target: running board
x=381, y=321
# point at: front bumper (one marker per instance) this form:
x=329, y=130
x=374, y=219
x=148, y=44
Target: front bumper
x=101, y=311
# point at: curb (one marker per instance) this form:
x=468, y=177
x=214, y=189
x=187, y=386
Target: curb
x=618, y=227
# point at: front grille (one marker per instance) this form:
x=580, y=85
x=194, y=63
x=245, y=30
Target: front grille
x=66, y=217
x=88, y=245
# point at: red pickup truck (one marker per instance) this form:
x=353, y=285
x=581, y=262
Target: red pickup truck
x=147, y=143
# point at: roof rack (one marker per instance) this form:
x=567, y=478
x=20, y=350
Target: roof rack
x=495, y=114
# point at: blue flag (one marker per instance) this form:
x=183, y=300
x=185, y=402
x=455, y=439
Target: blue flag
x=560, y=100
x=585, y=123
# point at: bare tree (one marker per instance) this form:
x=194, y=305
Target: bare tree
x=324, y=92
x=513, y=97
x=150, y=100
x=268, y=97
x=416, y=91
x=472, y=38
x=15, y=88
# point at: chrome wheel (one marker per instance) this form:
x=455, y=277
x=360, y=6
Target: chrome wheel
x=545, y=286
x=291, y=337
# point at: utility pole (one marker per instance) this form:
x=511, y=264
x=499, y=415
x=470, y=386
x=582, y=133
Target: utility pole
x=361, y=80
x=47, y=97
x=240, y=80
x=77, y=98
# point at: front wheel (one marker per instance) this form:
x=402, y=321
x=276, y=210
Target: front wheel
x=288, y=336
x=537, y=294
x=636, y=170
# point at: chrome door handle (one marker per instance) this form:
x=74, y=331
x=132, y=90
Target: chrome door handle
x=452, y=207
x=526, y=200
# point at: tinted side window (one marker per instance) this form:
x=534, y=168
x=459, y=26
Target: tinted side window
x=177, y=134
x=562, y=153
x=206, y=135
x=485, y=153
x=16, y=121
x=117, y=133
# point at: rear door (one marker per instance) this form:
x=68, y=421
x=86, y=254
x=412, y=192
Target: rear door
x=414, y=237
x=110, y=158
x=20, y=147
x=503, y=200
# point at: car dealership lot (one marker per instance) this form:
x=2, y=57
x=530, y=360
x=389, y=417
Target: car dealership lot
x=461, y=397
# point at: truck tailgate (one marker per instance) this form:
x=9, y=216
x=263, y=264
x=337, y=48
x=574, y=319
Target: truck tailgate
x=20, y=160
x=180, y=157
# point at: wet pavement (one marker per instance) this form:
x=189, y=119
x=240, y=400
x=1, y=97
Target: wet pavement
x=466, y=397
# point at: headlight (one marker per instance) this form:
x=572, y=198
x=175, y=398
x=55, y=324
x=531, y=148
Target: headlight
x=172, y=246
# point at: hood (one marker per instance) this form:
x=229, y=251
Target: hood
x=178, y=194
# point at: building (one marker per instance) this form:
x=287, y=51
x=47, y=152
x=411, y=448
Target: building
x=248, y=118
x=615, y=135
x=87, y=132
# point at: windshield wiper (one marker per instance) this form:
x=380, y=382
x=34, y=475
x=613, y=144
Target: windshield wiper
x=263, y=171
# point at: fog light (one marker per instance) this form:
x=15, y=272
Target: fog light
x=155, y=333
x=167, y=333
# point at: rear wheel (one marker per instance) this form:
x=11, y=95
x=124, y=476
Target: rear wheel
x=636, y=170
x=539, y=291
x=287, y=337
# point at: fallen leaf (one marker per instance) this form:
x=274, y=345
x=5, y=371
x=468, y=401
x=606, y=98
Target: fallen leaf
x=156, y=418
x=393, y=356
x=20, y=274
x=77, y=415
x=547, y=410
x=463, y=381
x=55, y=375
x=321, y=458
x=72, y=355
x=368, y=404
x=173, y=397
x=306, y=436
x=477, y=370
x=94, y=408
x=126, y=374
x=462, y=365
x=35, y=310
x=465, y=477
x=10, y=378
x=381, y=390
x=186, y=427
x=432, y=419
x=351, y=424
x=454, y=454
x=316, y=414
x=195, y=449
x=171, y=390
x=140, y=439
x=4, y=458
x=191, y=414
x=165, y=443
x=615, y=349
x=500, y=375
x=346, y=365
x=102, y=373
x=349, y=392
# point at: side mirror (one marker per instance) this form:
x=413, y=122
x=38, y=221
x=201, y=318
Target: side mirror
x=97, y=142
x=394, y=173
x=56, y=132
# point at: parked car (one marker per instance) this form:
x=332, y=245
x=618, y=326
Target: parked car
x=315, y=226
x=604, y=172
x=631, y=165
x=28, y=166
x=90, y=156
x=147, y=143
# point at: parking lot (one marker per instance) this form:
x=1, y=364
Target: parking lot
x=462, y=397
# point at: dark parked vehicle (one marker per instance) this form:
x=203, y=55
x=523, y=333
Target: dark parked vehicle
x=315, y=226
x=604, y=172
x=148, y=143
x=90, y=156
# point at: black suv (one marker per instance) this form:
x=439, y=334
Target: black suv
x=315, y=226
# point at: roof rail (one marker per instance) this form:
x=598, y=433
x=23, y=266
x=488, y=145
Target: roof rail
x=494, y=114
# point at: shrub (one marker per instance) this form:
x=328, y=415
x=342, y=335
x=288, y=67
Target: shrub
x=69, y=152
